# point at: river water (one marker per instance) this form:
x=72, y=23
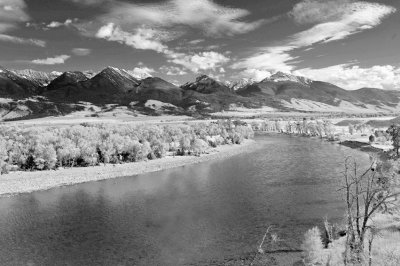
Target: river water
x=192, y=215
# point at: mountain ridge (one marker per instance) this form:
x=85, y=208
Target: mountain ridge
x=281, y=91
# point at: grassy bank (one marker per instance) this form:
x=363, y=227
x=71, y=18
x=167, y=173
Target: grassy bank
x=25, y=182
x=48, y=148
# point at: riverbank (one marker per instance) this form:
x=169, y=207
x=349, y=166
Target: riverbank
x=358, y=144
x=25, y=182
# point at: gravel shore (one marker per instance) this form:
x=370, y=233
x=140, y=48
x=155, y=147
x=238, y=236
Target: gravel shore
x=25, y=182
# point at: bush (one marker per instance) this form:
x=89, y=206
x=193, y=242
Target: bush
x=199, y=146
x=45, y=157
x=372, y=139
x=313, y=250
x=90, y=144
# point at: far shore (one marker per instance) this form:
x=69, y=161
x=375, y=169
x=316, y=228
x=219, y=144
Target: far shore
x=26, y=182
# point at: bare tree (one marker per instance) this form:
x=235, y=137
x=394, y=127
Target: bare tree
x=366, y=193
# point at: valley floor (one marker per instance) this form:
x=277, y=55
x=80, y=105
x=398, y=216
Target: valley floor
x=25, y=182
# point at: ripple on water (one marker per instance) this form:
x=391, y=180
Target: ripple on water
x=211, y=211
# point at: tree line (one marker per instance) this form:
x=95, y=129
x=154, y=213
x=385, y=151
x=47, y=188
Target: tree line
x=92, y=144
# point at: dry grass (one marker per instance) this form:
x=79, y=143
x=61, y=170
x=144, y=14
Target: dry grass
x=386, y=248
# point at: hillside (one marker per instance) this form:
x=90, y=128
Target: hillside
x=29, y=93
x=298, y=93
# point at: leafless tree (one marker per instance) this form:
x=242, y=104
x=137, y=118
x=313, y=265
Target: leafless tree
x=366, y=193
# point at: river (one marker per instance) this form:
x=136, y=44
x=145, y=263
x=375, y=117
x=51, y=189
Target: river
x=193, y=215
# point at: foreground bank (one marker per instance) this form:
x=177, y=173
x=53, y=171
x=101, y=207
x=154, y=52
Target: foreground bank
x=25, y=182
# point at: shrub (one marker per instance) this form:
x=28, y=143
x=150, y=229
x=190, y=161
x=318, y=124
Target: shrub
x=185, y=144
x=394, y=132
x=67, y=153
x=90, y=144
x=45, y=157
x=199, y=146
x=372, y=139
x=351, y=129
x=313, y=250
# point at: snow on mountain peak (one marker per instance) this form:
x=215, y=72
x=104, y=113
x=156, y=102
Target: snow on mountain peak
x=281, y=77
x=237, y=84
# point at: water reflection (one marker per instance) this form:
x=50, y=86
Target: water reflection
x=188, y=215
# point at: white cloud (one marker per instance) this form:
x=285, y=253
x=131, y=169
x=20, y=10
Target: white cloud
x=141, y=72
x=57, y=24
x=12, y=13
x=198, y=61
x=354, y=77
x=197, y=41
x=81, y=51
x=143, y=38
x=60, y=59
x=255, y=74
x=271, y=58
x=217, y=77
x=359, y=16
x=173, y=71
x=317, y=11
x=54, y=24
x=89, y=2
x=342, y=23
x=151, y=39
x=206, y=15
x=18, y=40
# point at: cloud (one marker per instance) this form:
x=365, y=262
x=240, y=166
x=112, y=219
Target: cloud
x=354, y=77
x=152, y=26
x=255, y=74
x=197, y=41
x=172, y=71
x=143, y=38
x=270, y=59
x=198, y=61
x=57, y=24
x=89, y=2
x=18, y=40
x=211, y=18
x=12, y=13
x=342, y=23
x=358, y=17
x=317, y=11
x=60, y=59
x=141, y=72
x=81, y=51
x=151, y=39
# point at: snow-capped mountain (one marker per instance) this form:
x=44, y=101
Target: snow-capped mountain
x=39, y=77
x=285, y=77
x=28, y=90
x=237, y=84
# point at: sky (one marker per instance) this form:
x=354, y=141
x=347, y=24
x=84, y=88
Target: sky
x=352, y=44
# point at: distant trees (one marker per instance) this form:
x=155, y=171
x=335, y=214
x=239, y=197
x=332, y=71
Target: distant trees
x=371, y=138
x=351, y=129
x=306, y=127
x=92, y=144
x=3, y=157
x=394, y=132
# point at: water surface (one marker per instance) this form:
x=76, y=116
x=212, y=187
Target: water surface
x=192, y=215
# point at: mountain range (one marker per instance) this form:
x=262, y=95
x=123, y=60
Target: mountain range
x=28, y=94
